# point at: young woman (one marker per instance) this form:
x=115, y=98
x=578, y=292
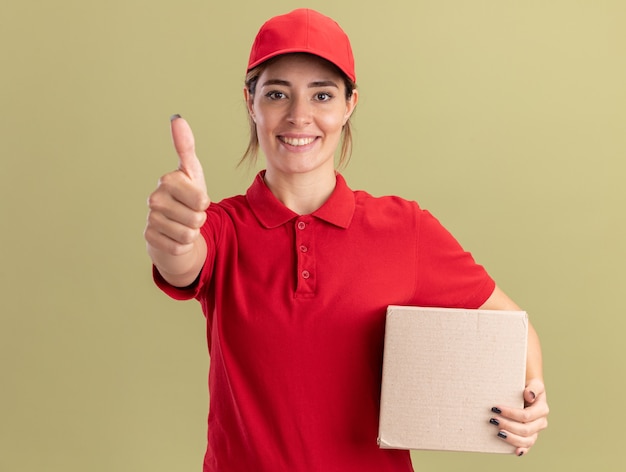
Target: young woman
x=294, y=277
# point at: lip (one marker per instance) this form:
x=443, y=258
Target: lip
x=297, y=142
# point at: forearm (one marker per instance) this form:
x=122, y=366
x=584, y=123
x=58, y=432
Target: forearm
x=534, y=366
x=180, y=270
x=534, y=361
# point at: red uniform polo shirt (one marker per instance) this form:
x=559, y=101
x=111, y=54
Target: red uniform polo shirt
x=295, y=308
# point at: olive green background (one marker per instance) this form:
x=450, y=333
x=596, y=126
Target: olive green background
x=504, y=118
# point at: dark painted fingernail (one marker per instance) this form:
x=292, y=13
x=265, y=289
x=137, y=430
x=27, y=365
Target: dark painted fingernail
x=520, y=454
x=494, y=421
x=502, y=434
x=175, y=117
x=496, y=410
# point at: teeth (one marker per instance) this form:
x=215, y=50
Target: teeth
x=298, y=141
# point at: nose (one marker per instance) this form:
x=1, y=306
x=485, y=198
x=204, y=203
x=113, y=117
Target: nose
x=300, y=111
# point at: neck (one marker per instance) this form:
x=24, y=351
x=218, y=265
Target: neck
x=301, y=193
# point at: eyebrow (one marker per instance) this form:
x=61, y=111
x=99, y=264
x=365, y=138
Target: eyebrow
x=286, y=83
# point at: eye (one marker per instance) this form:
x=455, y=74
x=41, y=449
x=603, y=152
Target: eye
x=275, y=95
x=323, y=96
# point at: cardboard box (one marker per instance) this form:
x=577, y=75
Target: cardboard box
x=443, y=371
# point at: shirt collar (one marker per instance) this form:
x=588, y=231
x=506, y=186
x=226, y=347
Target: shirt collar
x=337, y=210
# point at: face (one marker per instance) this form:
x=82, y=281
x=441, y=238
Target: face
x=299, y=108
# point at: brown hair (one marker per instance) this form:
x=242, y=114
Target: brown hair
x=252, y=150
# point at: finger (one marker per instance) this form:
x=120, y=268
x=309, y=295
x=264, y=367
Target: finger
x=520, y=442
x=162, y=242
x=529, y=396
x=177, y=212
x=534, y=388
x=177, y=186
x=180, y=233
x=185, y=146
x=539, y=409
x=527, y=429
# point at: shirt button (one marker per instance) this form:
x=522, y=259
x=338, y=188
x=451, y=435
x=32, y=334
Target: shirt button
x=305, y=274
x=303, y=249
x=301, y=225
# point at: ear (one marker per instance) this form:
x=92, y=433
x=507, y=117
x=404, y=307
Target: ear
x=249, y=102
x=351, y=105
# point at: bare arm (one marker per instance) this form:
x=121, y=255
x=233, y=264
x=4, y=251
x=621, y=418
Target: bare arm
x=521, y=427
x=177, y=211
x=534, y=363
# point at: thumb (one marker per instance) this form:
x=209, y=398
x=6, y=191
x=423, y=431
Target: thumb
x=185, y=146
x=533, y=389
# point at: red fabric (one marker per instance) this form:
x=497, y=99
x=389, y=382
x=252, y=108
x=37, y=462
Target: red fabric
x=295, y=309
x=303, y=30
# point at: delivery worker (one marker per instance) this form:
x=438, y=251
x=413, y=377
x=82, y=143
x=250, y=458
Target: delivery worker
x=295, y=276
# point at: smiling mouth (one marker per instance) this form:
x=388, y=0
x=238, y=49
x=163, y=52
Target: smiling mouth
x=297, y=141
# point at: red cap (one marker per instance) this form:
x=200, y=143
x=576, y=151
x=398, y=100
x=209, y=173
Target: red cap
x=303, y=30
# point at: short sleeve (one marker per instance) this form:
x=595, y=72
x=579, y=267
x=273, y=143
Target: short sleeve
x=448, y=276
x=177, y=293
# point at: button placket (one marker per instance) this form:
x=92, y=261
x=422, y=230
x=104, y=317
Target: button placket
x=305, y=264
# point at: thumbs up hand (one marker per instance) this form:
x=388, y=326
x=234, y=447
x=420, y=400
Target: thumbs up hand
x=177, y=212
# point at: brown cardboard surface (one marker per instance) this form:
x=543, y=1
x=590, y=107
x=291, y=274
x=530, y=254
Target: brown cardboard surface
x=443, y=370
